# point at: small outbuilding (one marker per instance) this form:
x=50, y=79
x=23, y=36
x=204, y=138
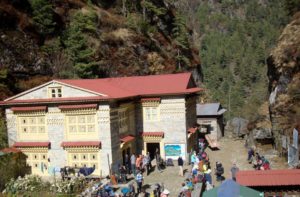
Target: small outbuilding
x=210, y=119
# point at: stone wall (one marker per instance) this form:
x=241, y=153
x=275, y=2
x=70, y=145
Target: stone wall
x=172, y=121
x=105, y=137
x=55, y=127
x=11, y=123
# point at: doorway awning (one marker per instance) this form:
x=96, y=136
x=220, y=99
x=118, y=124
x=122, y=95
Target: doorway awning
x=152, y=134
x=127, y=138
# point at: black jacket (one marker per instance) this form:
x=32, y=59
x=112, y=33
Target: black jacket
x=180, y=161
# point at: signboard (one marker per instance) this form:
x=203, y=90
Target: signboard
x=295, y=138
x=293, y=155
x=284, y=141
x=173, y=151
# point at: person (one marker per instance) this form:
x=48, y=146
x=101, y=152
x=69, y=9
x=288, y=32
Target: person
x=180, y=164
x=127, y=163
x=139, y=180
x=165, y=193
x=193, y=158
x=138, y=162
x=250, y=155
x=207, y=176
x=132, y=162
x=158, y=162
x=122, y=171
x=219, y=171
x=234, y=169
x=146, y=164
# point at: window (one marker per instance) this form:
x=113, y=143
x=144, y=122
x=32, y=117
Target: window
x=87, y=159
x=36, y=159
x=55, y=92
x=151, y=113
x=81, y=123
x=32, y=125
x=123, y=119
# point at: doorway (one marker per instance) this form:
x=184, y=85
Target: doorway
x=151, y=148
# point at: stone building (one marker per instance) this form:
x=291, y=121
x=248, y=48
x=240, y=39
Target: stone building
x=210, y=119
x=95, y=122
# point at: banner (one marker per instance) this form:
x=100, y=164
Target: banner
x=293, y=155
x=173, y=151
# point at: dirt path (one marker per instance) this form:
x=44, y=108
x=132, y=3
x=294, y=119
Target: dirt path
x=233, y=150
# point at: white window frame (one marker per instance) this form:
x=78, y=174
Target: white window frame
x=151, y=113
x=55, y=92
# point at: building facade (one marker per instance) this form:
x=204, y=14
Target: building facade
x=210, y=119
x=95, y=122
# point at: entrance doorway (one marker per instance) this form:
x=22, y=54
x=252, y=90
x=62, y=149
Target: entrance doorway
x=151, y=148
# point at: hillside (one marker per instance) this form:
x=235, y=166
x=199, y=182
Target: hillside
x=41, y=39
x=284, y=81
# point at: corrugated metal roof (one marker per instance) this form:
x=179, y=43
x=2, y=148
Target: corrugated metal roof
x=209, y=109
x=121, y=87
x=269, y=177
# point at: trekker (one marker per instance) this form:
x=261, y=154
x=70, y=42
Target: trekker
x=158, y=162
x=180, y=164
x=234, y=169
x=250, y=155
x=127, y=163
x=139, y=180
x=132, y=162
x=219, y=171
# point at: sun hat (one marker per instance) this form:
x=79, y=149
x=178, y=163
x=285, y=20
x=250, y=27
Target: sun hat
x=166, y=191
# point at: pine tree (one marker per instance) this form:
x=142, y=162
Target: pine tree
x=43, y=16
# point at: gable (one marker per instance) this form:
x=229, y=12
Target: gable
x=44, y=92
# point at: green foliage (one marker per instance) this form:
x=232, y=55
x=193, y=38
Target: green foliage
x=3, y=134
x=238, y=37
x=43, y=16
x=12, y=165
x=76, y=42
x=150, y=7
x=179, y=31
x=33, y=185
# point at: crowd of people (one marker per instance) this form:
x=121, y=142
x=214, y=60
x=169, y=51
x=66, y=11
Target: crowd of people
x=200, y=171
x=259, y=161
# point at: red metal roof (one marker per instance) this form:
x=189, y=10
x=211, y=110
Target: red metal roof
x=127, y=138
x=10, y=150
x=31, y=144
x=123, y=87
x=35, y=108
x=269, y=177
x=77, y=106
x=81, y=143
x=155, y=134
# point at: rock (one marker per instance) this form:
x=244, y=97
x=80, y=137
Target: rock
x=238, y=126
